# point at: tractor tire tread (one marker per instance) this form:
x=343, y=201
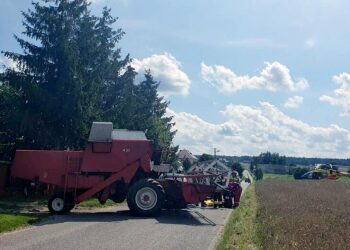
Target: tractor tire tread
x=130, y=199
x=67, y=207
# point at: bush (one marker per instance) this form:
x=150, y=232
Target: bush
x=205, y=157
x=237, y=167
x=259, y=175
x=186, y=164
x=299, y=172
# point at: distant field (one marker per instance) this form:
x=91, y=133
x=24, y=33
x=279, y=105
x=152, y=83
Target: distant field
x=278, y=177
x=303, y=214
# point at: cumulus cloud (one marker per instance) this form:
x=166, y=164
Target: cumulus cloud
x=251, y=130
x=167, y=70
x=274, y=77
x=294, y=102
x=341, y=96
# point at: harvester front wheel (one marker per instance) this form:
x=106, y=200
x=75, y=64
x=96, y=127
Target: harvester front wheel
x=60, y=203
x=146, y=197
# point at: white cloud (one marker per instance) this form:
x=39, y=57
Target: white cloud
x=341, y=96
x=275, y=76
x=166, y=69
x=251, y=130
x=7, y=63
x=294, y=102
x=310, y=43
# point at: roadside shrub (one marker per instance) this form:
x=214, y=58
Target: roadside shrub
x=237, y=167
x=259, y=175
x=299, y=172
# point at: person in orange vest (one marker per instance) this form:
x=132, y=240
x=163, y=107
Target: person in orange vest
x=235, y=188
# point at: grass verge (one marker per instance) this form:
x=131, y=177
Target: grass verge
x=10, y=222
x=344, y=179
x=241, y=229
x=17, y=204
x=93, y=203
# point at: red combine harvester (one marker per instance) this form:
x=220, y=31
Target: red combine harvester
x=116, y=165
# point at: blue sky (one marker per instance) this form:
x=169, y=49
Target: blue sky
x=243, y=76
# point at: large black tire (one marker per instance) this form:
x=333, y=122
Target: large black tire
x=60, y=203
x=118, y=198
x=228, y=203
x=69, y=202
x=146, y=197
x=227, y=200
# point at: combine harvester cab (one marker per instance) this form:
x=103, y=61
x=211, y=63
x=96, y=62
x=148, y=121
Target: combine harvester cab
x=116, y=165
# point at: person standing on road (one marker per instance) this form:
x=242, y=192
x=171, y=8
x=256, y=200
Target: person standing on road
x=235, y=188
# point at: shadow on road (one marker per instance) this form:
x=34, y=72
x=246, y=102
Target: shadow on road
x=171, y=216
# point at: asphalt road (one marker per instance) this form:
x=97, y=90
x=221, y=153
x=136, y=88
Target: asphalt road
x=115, y=228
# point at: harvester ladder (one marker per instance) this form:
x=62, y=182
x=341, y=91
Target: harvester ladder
x=73, y=163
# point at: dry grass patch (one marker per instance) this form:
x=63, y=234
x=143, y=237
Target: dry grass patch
x=304, y=214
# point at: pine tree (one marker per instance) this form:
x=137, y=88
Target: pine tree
x=10, y=117
x=159, y=126
x=69, y=74
x=63, y=74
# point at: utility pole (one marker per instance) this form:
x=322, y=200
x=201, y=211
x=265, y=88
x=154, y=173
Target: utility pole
x=215, y=151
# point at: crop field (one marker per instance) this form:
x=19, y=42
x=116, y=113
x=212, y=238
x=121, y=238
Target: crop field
x=304, y=214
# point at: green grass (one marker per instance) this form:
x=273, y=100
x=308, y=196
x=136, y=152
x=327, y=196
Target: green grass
x=283, y=177
x=241, y=229
x=344, y=179
x=10, y=203
x=22, y=200
x=92, y=203
x=10, y=222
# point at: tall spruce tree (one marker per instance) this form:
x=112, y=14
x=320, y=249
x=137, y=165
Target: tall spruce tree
x=69, y=74
x=67, y=62
x=159, y=126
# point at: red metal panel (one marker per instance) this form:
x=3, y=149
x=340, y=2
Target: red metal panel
x=122, y=153
x=46, y=166
x=191, y=193
x=70, y=169
x=127, y=173
x=82, y=181
x=195, y=193
x=101, y=147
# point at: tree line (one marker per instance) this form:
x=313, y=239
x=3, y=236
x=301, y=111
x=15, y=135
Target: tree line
x=290, y=160
x=269, y=158
x=70, y=73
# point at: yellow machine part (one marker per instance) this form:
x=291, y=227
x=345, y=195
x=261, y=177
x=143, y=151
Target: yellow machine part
x=209, y=202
